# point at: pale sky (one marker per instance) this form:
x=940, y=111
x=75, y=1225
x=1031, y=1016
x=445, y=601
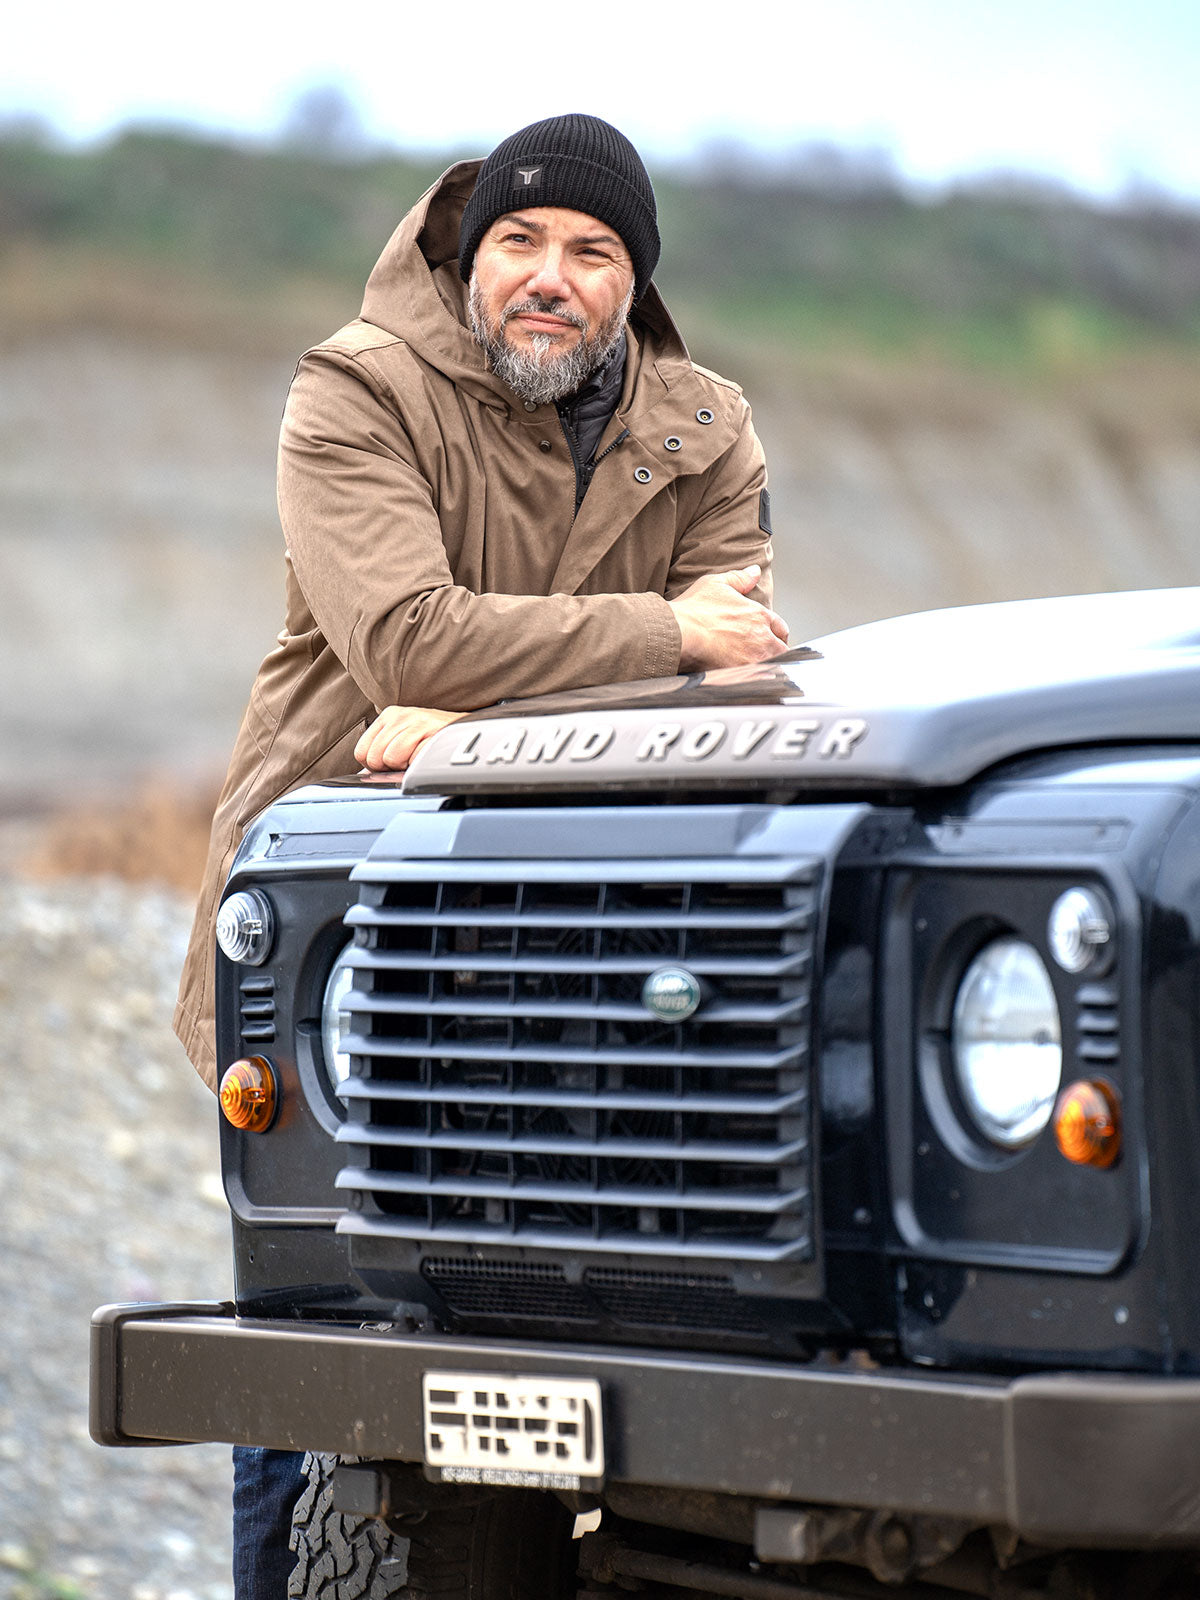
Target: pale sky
x=1095, y=92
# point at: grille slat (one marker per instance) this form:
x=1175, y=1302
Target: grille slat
x=420, y=1050
x=734, y=1105
x=695, y=1200
x=509, y=1086
x=698, y=869
x=616, y=1149
x=388, y=917
x=615, y=1243
x=421, y=1006
x=703, y=966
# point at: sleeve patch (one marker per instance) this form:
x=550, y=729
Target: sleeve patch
x=764, y=512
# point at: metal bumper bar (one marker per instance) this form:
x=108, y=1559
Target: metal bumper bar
x=1062, y=1458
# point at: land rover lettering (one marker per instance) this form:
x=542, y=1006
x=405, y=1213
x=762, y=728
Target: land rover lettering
x=842, y=738
x=546, y=742
x=702, y=741
x=619, y=749
x=748, y=738
x=590, y=743
x=658, y=741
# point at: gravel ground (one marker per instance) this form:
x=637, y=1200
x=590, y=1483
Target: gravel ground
x=109, y=1173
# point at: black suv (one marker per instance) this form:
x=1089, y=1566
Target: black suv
x=749, y=1122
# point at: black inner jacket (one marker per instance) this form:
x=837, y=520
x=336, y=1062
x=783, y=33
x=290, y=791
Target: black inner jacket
x=584, y=415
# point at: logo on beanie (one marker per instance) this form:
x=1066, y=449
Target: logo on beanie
x=527, y=177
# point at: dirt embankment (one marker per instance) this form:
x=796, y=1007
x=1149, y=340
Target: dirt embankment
x=140, y=558
x=904, y=490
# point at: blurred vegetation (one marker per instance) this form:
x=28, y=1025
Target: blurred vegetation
x=789, y=257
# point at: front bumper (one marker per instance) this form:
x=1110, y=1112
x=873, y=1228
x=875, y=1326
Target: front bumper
x=1077, y=1459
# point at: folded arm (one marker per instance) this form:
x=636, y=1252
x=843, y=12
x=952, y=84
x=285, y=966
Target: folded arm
x=413, y=639
x=389, y=606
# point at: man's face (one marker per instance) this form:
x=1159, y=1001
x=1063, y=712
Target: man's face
x=550, y=291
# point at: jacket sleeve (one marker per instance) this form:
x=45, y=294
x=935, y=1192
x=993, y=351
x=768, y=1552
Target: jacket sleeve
x=725, y=520
x=363, y=533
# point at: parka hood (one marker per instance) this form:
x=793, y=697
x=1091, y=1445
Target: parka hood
x=415, y=293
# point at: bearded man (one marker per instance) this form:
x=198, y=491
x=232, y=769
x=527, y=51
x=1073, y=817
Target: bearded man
x=505, y=478
x=516, y=489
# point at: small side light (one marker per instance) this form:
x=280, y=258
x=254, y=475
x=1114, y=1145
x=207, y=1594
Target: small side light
x=1087, y=1123
x=1081, y=931
x=249, y=1097
x=245, y=927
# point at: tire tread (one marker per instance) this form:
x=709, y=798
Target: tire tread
x=512, y=1545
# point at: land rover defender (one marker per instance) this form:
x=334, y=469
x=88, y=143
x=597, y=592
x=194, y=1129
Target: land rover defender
x=748, y=1122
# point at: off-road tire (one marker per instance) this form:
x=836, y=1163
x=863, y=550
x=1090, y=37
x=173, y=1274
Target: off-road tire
x=340, y=1557
x=511, y=1545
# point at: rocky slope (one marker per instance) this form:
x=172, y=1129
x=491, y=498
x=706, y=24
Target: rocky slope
x=111, y=1191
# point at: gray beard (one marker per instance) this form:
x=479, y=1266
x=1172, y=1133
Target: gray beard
x=540, y=374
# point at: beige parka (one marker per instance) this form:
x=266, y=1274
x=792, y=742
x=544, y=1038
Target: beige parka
x=434, y=557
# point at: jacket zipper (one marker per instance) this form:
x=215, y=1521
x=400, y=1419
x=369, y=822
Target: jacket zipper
x=585, y=471
x=608, y=449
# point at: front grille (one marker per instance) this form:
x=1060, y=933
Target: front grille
x=508, y=1086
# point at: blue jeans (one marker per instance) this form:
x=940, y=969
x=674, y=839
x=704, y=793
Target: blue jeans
x=266, y=1486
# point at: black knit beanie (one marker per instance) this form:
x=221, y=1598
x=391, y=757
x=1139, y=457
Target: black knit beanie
x=575, y=161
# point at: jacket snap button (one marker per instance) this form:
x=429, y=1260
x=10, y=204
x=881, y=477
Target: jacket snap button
x=673, y=442
x=531, y=405
x=642, y=474
x=544, y=444
x=704, y=415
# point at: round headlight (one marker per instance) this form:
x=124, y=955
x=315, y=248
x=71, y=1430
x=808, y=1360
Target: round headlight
x=245, y=927
x=335, y=1018
x=1007, y=1043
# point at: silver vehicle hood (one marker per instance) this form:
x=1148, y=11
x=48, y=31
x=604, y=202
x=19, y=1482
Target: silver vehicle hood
x=926, y=700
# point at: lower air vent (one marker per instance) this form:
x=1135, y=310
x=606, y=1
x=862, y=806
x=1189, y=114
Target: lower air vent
x=517, y=1290
x=508, y=1289
x=672, y=1300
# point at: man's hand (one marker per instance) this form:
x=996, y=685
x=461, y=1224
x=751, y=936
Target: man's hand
x=390, y=743
x=722, y=627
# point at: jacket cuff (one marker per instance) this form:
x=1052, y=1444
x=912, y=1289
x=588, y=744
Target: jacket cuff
x=663, y=638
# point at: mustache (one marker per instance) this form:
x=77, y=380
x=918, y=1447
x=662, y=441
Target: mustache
x=545, y=308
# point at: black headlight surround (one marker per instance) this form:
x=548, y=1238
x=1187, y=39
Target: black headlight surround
x=326, y=946
x=954, y=1196
x=292, y=1170
x=938, y=1082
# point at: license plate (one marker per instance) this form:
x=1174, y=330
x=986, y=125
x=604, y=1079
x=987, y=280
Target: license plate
x=535, y=1433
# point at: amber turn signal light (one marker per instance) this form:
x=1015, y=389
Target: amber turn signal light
x=1087, y=1124
x=248, y=1094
